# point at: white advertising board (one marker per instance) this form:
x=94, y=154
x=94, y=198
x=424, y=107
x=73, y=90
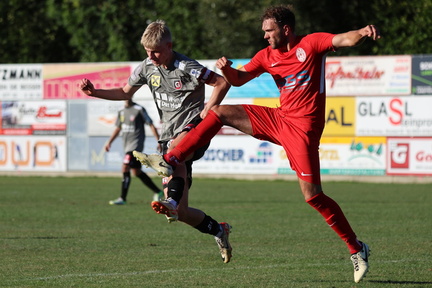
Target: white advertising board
x=353, y=156
x=46, y=117
x=393, y=116
x=21, y=82
x=33, y=153
x=368, y=75
x=102, y=115
x=409, y=156
x=238, y=155
x=247, y=155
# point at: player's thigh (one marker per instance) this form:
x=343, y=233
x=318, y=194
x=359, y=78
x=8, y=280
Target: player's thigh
x=234, y=116
x=303, y=156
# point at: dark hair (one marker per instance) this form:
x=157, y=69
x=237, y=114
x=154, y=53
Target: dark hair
x=282, y=15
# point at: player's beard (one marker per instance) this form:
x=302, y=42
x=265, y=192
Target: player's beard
x=279, y=42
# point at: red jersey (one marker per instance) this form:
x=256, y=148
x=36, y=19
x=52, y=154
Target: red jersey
x=298, y=73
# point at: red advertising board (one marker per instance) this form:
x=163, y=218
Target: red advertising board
x=61, y=81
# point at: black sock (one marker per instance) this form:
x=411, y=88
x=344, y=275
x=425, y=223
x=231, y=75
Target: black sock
x=148, y=182
x=125, y=185
x=208, y=226
x=175, y=188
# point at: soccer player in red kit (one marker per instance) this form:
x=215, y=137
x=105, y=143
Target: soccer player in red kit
x=297, y=65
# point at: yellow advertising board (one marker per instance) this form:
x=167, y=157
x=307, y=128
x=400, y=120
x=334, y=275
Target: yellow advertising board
x=340, y=116
x=267, y=102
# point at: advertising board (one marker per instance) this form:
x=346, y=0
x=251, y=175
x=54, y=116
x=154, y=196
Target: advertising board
x=21, y=82
x=33, y=153
x=33, y=118
x=422, y=74
x=393, y=116
x=409, y=156
x=368, y=75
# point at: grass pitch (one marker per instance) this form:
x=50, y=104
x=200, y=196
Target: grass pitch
x=61, y=232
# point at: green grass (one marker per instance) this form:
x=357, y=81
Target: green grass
x=61, y=232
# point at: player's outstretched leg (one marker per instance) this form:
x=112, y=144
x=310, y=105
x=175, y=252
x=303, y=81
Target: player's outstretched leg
x=360, y=262
x=156, y=162
x=223, y=242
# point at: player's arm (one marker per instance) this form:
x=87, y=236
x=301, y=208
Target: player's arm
x=220, y=89
x=156, y=134
x=355, y=37
x=114, y=135
x=120, y=93
x=236, y=77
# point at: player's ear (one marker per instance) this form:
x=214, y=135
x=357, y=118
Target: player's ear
x=286, y=30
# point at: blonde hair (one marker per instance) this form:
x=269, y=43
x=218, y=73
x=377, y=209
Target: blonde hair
x=156, y=34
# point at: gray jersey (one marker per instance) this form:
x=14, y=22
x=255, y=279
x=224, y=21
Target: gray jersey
x=131, y=121
x=178, y=91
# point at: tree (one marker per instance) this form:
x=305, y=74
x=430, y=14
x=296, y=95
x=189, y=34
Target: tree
x=28, y=36
x=110, y=30
x=406, y=26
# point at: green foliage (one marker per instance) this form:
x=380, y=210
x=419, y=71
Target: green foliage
x=109, y=30
x=406, y=26
x=27, y=35
x=61, y=232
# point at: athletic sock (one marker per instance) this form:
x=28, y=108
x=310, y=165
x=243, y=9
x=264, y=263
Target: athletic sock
x=148, y=182
x=125, y=185
x=172, y=202
x=208, y=226
x=175, y=189
x=196, y=138
x=336, y=219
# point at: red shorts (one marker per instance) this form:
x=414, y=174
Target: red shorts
x=299, y=137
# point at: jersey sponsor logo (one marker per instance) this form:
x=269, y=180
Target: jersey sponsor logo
x=292, y=81
x=167, y=102
x=305, y=174
x=127, y=128
x=196, y=73
x=155, y=80
x=274, y=64
x=301, y=54
x=182, y=66
x=178, y=85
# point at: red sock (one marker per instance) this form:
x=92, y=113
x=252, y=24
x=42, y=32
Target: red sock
x=335, y=218
x=196, y=138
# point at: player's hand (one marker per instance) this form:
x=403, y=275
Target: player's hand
x=370, y=31
x=159, y=148
x=107, y=147
x=87, y=87
x=204, y=112
x=223, y=63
